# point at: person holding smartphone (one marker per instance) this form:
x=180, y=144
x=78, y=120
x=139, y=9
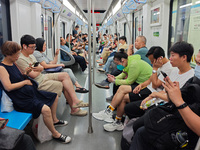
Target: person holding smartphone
x=54, y=82
x=24, y=93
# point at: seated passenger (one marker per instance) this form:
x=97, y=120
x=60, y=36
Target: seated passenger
x=54, y=82
x=187, y=105
x=180, y=57
x=47, y=63
x=123, y=45
x=140, y=45
x=67, y=47
x=24, y=93
x=103, y=41
x=135, y=71
x=125, y=95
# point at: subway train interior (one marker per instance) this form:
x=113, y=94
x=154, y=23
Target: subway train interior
x=79, y=44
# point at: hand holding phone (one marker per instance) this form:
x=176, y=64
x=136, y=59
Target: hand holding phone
x=164, y=74
x=3, y=123
x=35, y=64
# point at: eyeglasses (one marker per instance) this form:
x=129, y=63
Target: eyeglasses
x=32, y=47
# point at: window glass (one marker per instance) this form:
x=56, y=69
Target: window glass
x=5, y=28
x=49, y=32
x=136, y=27
x=185, y=24
x=42, y=25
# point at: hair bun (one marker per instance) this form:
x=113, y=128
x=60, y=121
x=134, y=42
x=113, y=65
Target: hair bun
x=121, y=50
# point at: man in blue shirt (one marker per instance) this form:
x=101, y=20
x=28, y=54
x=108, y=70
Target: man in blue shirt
x=140, y=45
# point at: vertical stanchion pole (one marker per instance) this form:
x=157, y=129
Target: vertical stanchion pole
x=90, y=130
x=94, y=41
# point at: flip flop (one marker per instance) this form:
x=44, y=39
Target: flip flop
x=81, y=90
x=80, y=112
x=81, y=104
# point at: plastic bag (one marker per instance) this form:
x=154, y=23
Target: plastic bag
x=6, y=103
x=41, y=132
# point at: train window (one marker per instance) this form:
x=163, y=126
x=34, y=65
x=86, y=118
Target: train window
x=42, y=25
x=63, y=26
x=136, y=27
x=49, y=32
x=185, y=23
x=124, y=29
x=5, y=26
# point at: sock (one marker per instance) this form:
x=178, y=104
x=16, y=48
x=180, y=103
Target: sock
x=111, y=107
x=118, y=118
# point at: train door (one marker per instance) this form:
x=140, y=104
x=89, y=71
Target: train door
x=47, y=19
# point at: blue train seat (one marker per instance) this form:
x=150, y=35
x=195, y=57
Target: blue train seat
x=17, y=120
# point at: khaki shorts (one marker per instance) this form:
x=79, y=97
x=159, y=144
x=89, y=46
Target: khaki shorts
x=50, y=83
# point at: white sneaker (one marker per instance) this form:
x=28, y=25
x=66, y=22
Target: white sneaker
x=104, y=115
x=116, y=125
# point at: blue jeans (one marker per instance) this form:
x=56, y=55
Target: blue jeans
x=108, y=63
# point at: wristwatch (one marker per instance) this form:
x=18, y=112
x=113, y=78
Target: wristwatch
x=182, y=106
x=154, y=71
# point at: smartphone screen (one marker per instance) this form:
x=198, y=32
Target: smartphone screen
x=164, y=74
x=35, y=64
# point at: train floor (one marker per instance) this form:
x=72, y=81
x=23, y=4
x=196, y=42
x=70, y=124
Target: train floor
x=77, y=127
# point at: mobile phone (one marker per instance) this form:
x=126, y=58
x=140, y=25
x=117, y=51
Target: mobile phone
x=35, y=64
x=164, y=74
x=3, y=123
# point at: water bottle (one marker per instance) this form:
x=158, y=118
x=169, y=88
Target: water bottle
x=153, y=101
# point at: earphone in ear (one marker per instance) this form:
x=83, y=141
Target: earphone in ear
x=25, y=47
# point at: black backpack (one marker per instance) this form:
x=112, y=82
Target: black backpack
x=162, y=122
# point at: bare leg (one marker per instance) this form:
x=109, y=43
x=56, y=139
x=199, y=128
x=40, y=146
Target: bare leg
x=120, y=108
x=121, y=92
x=53, y=110
x=70, y=101
x=68, y=87
x=47, y=117
x=77, y=84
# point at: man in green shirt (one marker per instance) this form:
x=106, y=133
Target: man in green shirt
x=135, y=71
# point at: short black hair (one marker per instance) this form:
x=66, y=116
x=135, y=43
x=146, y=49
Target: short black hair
x=156, y=51
x=183, y=48
x=27, y=39
x=68, y=35
x=121, y=54
x=123, y=38
x=76, y=26
x=104, y=35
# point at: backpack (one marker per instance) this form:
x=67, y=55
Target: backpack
x=162, y=122
x=127, y=134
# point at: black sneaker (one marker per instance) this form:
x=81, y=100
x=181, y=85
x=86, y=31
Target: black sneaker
x=60, y=123
x=63, y=139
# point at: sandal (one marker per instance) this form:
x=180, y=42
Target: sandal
x=60, y=123
x=63, y=138
x=81, y=90
x=80, y=112
x=81, y=104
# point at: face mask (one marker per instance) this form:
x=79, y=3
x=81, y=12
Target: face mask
x=197, y=71
x=120, y=67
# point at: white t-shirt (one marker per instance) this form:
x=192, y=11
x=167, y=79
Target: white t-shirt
x=167, y=68
x=181, y=78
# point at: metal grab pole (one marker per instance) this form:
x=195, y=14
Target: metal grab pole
x=90, y=130
x=94, y=41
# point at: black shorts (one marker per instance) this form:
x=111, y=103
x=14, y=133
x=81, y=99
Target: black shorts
x=142, y=94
